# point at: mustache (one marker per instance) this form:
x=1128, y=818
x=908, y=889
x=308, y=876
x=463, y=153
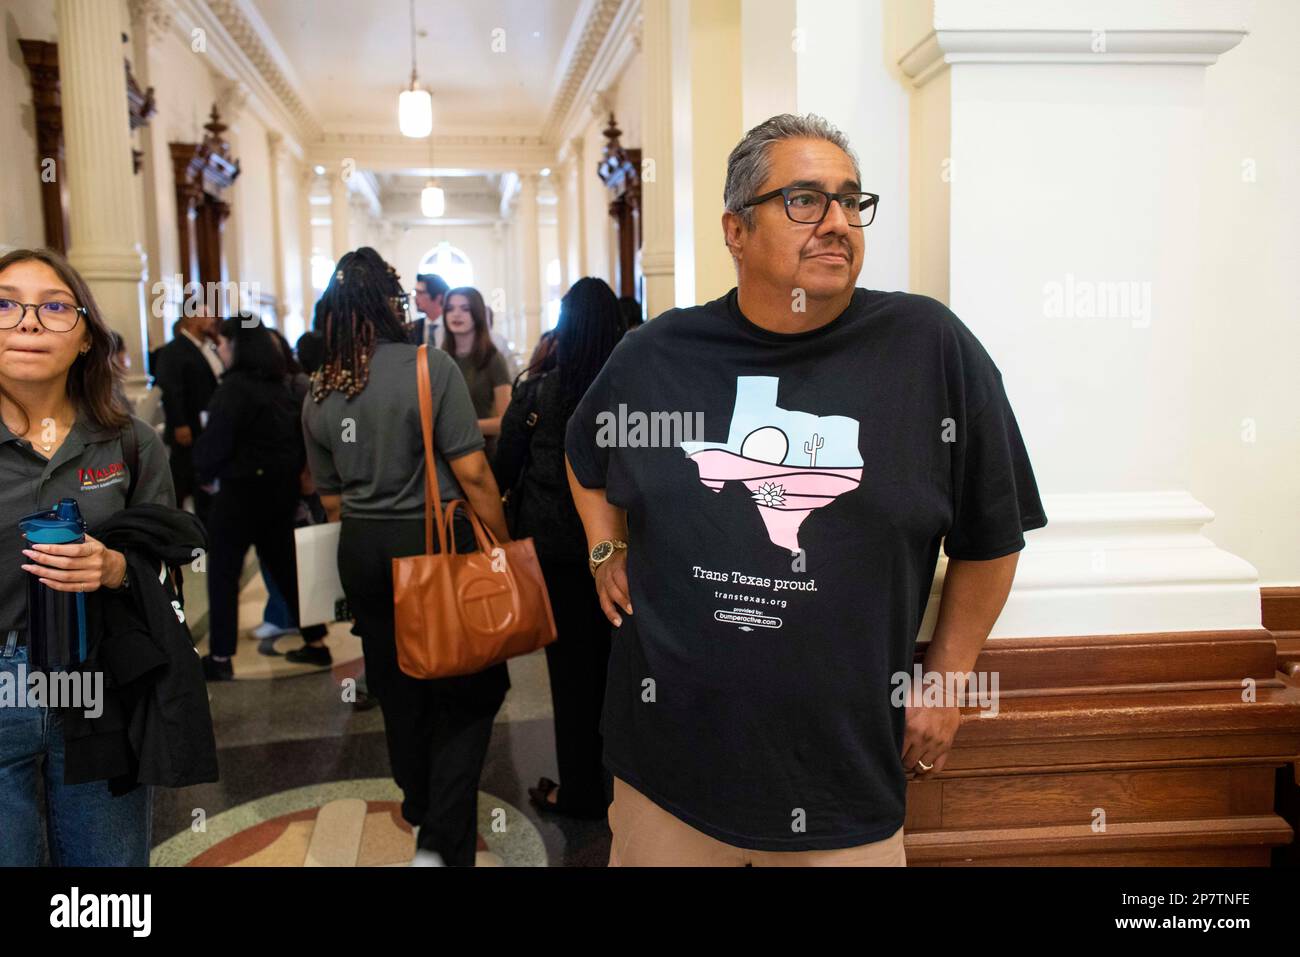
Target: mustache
x=840, y=247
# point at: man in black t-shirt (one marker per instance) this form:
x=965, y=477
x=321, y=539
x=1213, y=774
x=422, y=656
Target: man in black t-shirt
x=767, y=480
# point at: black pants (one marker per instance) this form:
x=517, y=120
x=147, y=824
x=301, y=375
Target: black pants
x=577, y=662
x=437, y=731
x=246, y=513
x=181, y=461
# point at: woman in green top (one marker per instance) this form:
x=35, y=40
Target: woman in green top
x=469, y=341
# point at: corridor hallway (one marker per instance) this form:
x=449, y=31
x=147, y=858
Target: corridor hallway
x=305, y=778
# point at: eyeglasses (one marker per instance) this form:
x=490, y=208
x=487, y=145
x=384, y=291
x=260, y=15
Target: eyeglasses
x=809, y=206
x=53, y=316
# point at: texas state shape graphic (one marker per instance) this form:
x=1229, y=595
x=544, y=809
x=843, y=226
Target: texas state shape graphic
x=792, y=462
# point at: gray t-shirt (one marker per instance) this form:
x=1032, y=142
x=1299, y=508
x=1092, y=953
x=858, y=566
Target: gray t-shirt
x=89, y=466
x=369, y=449
x=482, y=383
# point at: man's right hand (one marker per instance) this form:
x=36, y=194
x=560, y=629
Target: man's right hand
x=611, y=586
x=183, y=436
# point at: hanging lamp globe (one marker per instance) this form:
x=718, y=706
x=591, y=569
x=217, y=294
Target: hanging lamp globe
x=415, y=111
x=433, y=201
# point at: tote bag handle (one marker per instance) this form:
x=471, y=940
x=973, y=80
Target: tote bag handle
x=431, y=494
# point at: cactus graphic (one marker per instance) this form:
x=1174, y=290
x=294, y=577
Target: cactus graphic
x=811, y=448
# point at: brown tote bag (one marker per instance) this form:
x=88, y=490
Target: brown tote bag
x=458, y=614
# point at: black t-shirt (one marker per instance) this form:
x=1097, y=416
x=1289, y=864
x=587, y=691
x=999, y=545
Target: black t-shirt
x=781, y=556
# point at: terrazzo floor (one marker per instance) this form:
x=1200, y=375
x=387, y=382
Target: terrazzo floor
x=305, y=778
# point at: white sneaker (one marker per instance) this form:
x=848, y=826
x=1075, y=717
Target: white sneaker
x=424, y=858
x=267, y=630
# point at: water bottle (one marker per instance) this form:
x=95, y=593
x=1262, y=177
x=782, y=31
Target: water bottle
x=56, y=620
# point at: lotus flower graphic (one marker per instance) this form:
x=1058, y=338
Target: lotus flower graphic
x=770, y=493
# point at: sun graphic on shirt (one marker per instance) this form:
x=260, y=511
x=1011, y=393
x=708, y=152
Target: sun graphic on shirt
x=770, y=493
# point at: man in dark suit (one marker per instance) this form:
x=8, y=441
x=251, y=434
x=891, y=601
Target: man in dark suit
x=187, y=371
x=430, y=291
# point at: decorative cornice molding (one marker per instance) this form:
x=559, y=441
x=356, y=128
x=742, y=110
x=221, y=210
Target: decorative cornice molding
x=594, y=60
x=1095, y=46
x=336, y=137
x=234, y=43
x=393, y=152
x=154, y=16
x=232, y=97
x=246, y=35
x=580, y=55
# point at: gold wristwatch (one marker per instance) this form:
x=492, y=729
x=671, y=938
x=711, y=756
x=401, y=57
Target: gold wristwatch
x=602, y=552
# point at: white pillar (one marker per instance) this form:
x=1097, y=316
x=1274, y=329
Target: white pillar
x=499, y=288
x=97, y=135
x=578, y=184
x=306, y=181
x=657, y=259
x=275, y=150
x=530, y=253
x=151, y=21
x=340, y=215
x=563, y=224
x=1074, y=257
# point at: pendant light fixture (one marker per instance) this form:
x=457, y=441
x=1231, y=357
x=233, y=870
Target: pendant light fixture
x=414, y=105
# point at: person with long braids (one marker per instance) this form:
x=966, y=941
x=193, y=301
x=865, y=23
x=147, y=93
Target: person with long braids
x=530, y=462
x=364, y=446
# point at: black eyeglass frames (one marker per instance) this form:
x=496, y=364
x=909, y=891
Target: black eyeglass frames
x=54, y=316
x=808, y=206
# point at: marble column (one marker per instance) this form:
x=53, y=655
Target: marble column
x=657, y=252
x=340, y=215
x=97, y=133
x=306, y=182
x=563, y=221
x=578, y=190
x=151, y=20
x=530, y=254
x=1071, y=230
x=276, y=152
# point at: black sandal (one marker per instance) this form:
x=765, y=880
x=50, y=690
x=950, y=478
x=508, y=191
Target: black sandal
x=540, y=796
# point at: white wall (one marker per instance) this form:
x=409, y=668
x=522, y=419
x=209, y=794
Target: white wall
x=1246, y=329
x=846, y=73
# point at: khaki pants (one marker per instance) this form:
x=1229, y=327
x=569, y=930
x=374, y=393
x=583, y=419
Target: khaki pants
x=645, y=835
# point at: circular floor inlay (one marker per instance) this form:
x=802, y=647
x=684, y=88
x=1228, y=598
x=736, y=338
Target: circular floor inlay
x=338, y=824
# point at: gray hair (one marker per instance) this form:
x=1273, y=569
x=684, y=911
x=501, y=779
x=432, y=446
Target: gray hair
x=749, y=164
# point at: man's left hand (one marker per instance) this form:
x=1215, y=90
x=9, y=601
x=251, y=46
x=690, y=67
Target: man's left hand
x=928, y=737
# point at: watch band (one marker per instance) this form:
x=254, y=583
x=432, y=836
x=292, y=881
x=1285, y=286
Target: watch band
x=614, y=544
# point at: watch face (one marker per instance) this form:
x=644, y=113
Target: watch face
x=602, y=551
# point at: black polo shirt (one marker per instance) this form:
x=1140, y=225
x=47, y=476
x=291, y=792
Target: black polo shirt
x=90, y=467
